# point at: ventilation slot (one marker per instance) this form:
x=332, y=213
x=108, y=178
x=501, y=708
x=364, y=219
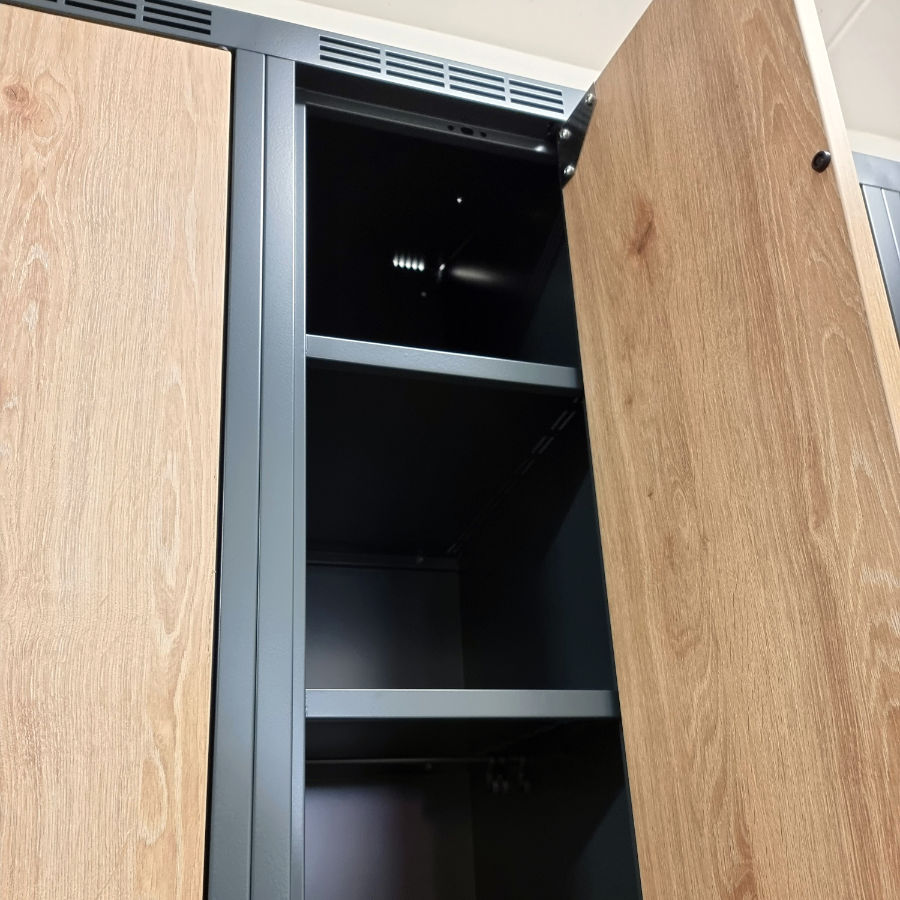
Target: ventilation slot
x=178, y=16
x=120, y=8
x=536, y=96
x=412, y=68
x=348, y=53
x=479, y=84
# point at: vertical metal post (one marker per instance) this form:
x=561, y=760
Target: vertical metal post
x=231, y=790
x=299, y=722
x=281, y=577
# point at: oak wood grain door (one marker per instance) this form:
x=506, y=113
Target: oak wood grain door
x=113, y=189
x=743, y=394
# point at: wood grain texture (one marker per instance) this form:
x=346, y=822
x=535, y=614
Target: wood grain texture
x=113, y=189
x=741, y=399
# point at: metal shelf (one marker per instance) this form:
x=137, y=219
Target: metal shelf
x=349, y=353
x=460, y=704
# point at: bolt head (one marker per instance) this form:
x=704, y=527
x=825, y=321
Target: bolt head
x=821, y=161
x=589, y=98
x=564, y=134
x=569, y=170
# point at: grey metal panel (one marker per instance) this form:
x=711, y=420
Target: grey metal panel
x=873, y=170
x=231, y=795
x=889, y=247
x=534, y=610
x=240, y=30
x=298, y=737
x=460, y=704
x=382, y=627
x=884, y=217
x=883, y=206
x=413, y=122
x=272, y=777
x=301, y=43
x=437, y=362
x=406, y=68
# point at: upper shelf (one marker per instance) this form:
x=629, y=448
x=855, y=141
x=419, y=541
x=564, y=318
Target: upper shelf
x=341, y=351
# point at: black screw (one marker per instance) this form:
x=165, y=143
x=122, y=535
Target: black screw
x=821, y=161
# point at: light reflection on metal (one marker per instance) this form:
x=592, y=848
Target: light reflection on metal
x=477, y=275
x=411, y=263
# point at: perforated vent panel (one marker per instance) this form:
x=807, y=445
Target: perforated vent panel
x=402, y=66
x=186, y=19
x=536, y=96
x=349, y=54
x=409, y=68
x=119, y=8
x=178, y=16
x=469, y=81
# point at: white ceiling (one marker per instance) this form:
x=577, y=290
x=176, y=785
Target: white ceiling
x=569, y=41
x=574, y=31
x=863, y=38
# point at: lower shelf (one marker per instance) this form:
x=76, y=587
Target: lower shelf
x=460, y=704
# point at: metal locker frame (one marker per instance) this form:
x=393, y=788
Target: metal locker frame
x=255, y=827
x=232, y=769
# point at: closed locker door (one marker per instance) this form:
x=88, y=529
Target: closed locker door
x=113, y=191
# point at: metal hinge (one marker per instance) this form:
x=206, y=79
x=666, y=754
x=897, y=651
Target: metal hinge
x=570, y=136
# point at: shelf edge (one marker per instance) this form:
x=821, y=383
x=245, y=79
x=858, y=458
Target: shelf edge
x=351, y=353
x=334, y=704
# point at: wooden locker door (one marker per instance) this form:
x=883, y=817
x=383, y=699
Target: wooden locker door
x=743, y=394
x=113, y=190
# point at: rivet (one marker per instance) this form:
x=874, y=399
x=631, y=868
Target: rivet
x=589, y=98
x=564, y=134
x=569, y=170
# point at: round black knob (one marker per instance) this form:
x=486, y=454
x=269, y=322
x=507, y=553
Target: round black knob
x=821, y=161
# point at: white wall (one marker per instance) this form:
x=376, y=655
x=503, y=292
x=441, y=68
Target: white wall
x=874, y=144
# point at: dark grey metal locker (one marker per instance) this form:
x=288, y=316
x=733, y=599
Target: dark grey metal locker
x=415, y=694
x=880, y=182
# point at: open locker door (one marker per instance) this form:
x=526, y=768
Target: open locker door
x=742, y=382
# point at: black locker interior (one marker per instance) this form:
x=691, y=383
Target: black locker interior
x=452, y=533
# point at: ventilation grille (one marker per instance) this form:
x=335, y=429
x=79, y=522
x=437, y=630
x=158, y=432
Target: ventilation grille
x=178, y=16
x=477, y=83
x=536, y=96
x=121, y=9
x=184, y=18
x=411, y=68
x=350, y=54
x=378, y=62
